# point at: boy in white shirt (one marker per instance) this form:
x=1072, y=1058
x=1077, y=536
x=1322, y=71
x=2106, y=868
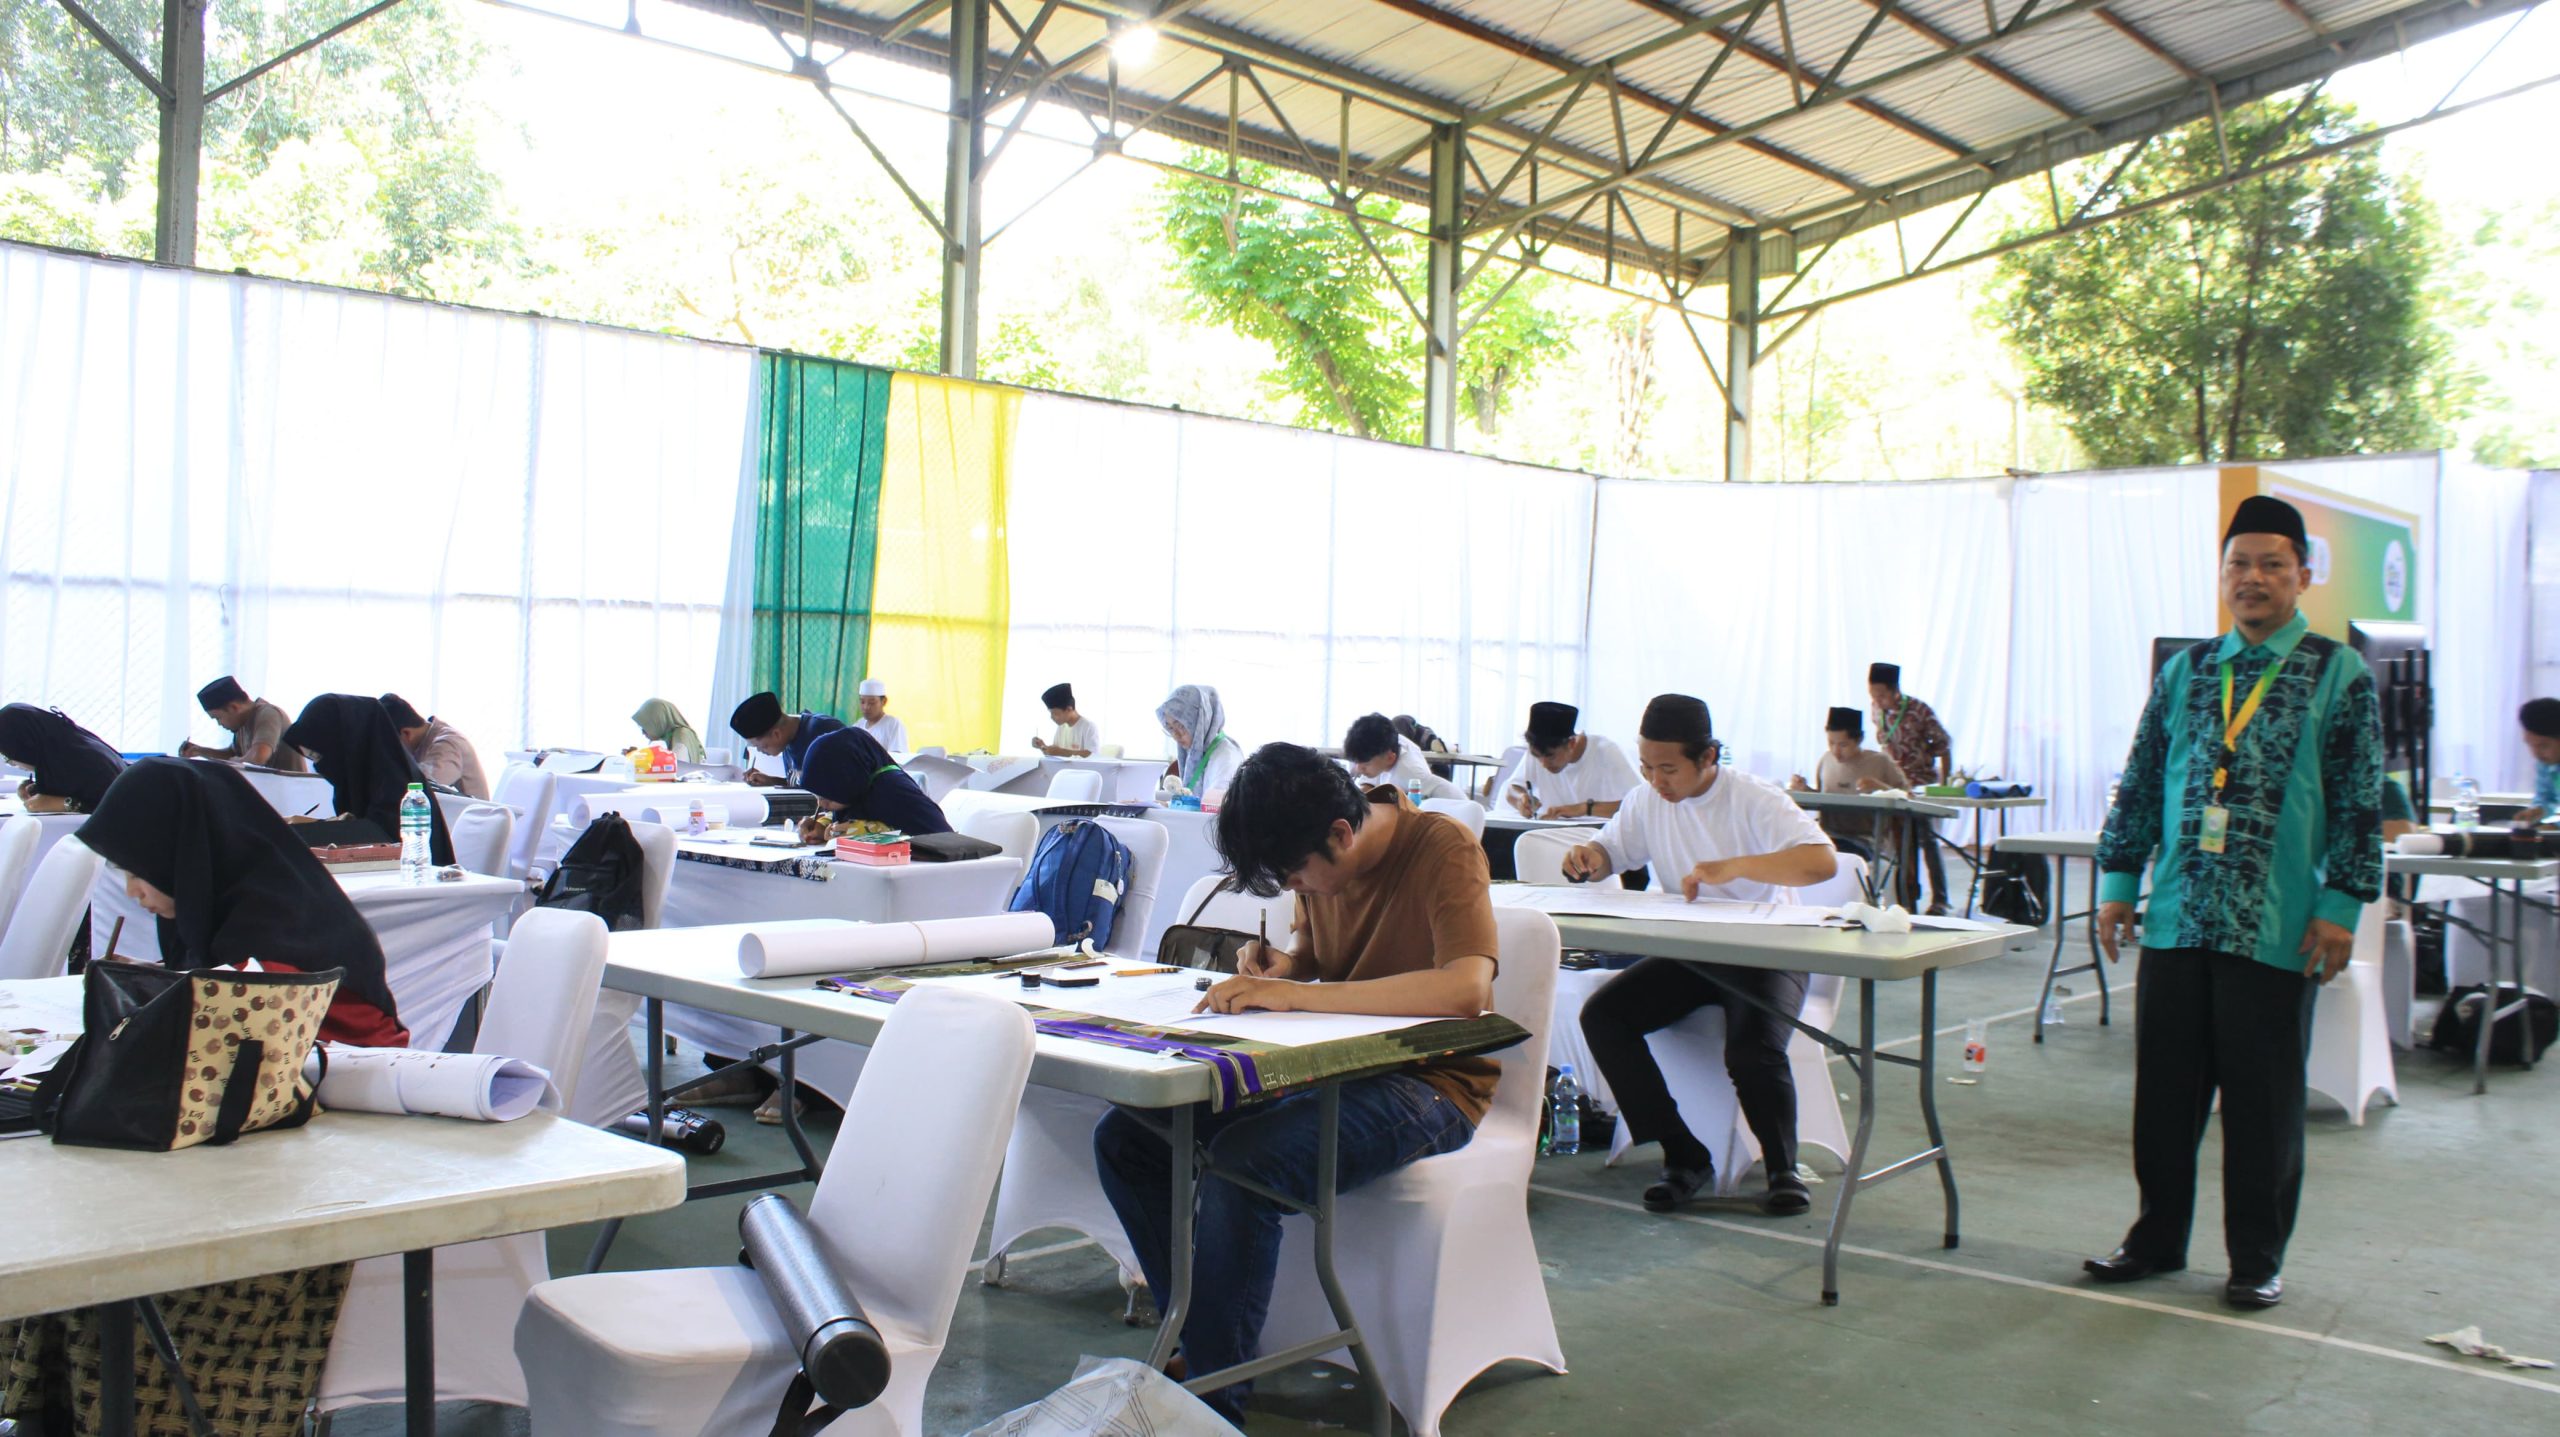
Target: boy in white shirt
x=875, y=720
x=1379, y=754
x=1710, y=832
x=1076, y=736
x=1570, y=774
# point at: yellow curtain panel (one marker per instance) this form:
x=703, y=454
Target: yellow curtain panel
x=941, y=604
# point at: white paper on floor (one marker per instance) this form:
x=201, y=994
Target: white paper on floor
x=1112, y=1397
x=2471, y=1343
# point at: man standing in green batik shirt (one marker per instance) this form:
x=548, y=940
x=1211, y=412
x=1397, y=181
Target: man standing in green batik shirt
x=2256, y=779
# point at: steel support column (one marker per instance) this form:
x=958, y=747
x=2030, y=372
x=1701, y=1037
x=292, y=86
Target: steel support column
x=1440, y=352
x=181, y=130
x=1742, y=347
x=962, y=172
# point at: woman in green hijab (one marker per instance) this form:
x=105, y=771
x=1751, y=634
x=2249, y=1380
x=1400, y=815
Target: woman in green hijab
x=661, y=722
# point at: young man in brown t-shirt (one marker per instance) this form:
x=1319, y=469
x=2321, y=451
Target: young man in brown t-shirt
x=1394, y=918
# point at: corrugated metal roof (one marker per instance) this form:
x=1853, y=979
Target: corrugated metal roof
x=1783, y=134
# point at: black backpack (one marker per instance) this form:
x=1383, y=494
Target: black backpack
x=2013, y=887
x=2457, y=1027
x=600, y=874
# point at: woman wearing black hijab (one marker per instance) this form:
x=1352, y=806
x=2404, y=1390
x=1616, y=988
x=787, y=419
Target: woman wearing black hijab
x=354, y=745
x=71, y=765
x=852, y=775
x=230, y=881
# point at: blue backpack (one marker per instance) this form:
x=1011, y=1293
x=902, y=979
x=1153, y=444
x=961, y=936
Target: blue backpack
x=1078, y=876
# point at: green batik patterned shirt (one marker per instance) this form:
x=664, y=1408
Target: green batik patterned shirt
x=2305, y=799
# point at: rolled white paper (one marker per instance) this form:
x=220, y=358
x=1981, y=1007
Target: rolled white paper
x=789, y=950
x=2429, y=844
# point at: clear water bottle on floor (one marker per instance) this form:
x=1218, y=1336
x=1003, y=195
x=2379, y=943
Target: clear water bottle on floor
x=1564, y=1115
x=1977, y=1047
x=2053, y=1006
x=2466, y=803
x=417, y=827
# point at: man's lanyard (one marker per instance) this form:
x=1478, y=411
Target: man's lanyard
x=2233, y=727
x=1894, y=725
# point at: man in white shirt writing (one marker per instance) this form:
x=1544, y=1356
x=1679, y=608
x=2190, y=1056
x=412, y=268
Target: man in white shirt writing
x=1710, y=832
x=1570, y=774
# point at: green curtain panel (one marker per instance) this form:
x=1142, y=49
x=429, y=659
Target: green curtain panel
x=817, y=528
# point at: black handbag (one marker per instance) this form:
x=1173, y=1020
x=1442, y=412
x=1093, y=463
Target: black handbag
x=1193, y=944
x=948, y=848
x=168, y=1059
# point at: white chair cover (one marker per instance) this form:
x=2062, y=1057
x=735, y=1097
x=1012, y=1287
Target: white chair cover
x=483, y=833
x=1436, y=1259
x=18, y=839
x=1465, y=810
x=1538, y=855
x=38, y=943
x=1016, y=833
x=529, y=792
x=538, y=1010
x=1076, y=785
x=2350, y=1058
x=697, y=1352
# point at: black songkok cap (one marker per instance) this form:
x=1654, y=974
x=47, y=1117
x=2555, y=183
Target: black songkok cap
x=756, y=717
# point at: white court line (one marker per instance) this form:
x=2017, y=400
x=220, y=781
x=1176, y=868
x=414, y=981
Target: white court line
x=2121, y=990
x=2086, y=1294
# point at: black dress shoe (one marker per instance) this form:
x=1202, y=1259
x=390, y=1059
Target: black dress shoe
x=1676, y=1186
x=2249, y=1296
x=1786, y=1197
x=2123, y=1266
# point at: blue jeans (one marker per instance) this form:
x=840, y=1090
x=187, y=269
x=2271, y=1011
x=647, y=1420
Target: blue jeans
x=1387, y=1122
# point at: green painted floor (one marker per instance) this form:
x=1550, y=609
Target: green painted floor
x=2433, y=1215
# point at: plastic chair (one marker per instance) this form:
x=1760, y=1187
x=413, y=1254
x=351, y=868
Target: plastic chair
x=483, y=835
x=1076, y=785
x=1465, y=810
x=615, y=1084
x=538, y=1010
x=1436, y=1259
x=18, y=839
x=1538, y=856
x=1016, y=833
x=2350, y=1058
x=38, y=943
x=1049, y=1178
x=530, y=792
x=697, y=1352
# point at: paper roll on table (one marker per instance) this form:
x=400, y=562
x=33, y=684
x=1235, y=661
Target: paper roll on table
x=794, y=951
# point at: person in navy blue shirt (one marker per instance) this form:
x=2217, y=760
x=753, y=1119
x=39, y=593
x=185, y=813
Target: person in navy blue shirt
x=852, y=776
x=775, y=734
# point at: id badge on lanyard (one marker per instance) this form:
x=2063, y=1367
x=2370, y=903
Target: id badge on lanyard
x=2214, y=835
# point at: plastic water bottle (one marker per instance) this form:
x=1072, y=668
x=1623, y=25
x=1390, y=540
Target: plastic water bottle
x=2053, y=1006
x=2466, y=803
x=1564, y=1115
x=694, y=821
x=1977, y=1051
x=417, y=825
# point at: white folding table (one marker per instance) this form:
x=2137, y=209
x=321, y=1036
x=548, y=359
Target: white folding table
x=1868, y=958
x=698, y=967
x=343, y=1187
x=2505, y=879
x=2062, y=848
x=1976, y=856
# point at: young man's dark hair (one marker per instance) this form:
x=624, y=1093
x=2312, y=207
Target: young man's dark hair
x=2540, y=717
x=1680, y=719
x=1279, y=812
x=1371, y=736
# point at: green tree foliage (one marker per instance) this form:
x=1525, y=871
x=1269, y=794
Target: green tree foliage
x=2283, y=317
x=358, y=163
x=1294, y=274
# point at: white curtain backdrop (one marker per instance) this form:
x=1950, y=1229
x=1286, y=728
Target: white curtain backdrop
x=522, y=525
x=1769, y=602
x=1308, y=578
x=2482, y=631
